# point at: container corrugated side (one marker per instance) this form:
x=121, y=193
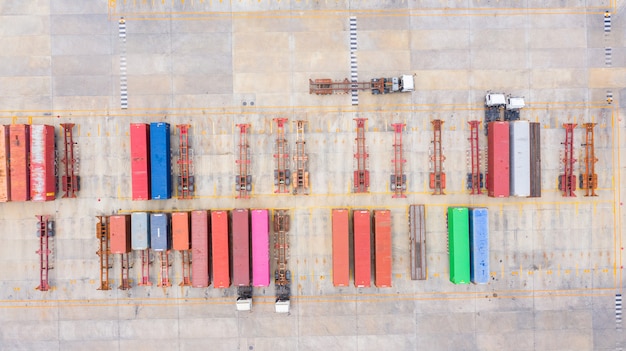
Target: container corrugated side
x=220, y=249
x=140, y=230
x=362, y=248
x=241, y=247
x=5, y=179
x=382, y=248
x=160, y=161
x=199, y=249
x=519, y=155
x=458, y=244
x=19, y=154
x=498, y=159
x=140, y=160
x=119, y=233
x=260, y=248
x=180, y=231
x=417, y=241
x=479, y=245
x=160, y=235
x=341, y=246
x=535, y=159
x=42, y=168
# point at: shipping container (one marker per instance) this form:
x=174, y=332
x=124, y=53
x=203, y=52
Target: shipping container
x=199, y=249
x=519, y=156
x=5, y=179
x=382, y=248
x=362, y=248
x=417, y=242
x=260, y=248
x=160, y=161
x=19, y=155
x=42, y=163
x=458, y=243
x=140, y=230
x=498, y=159
x=341, y=247
x=479, y=245
x=140, y=160
x=180, y=231
x=220, y=249
x=119, y=234
x=160, y=234
x=241, y=247
x=535, y=159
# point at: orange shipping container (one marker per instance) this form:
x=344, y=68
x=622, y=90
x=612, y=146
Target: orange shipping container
x=180, y=230
x=362, y=249
x=19, y=152
x=382, y=248
x=341, y=247
x=220, y=247
x=5, y=180
x=119, y=233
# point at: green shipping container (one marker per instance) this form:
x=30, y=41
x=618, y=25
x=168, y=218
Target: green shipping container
x=458, y=244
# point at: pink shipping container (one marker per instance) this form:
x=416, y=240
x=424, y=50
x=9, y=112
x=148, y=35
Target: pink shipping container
x=5, y=180
x=260, y=248
x=140, y=160
x=241, y=247
x=220, y=253
x=119, y=234
x=19, y=154
x=42, y=178
x=200, y=249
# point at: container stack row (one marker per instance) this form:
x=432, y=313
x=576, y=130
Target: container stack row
x=514, y=159
x=468, y=245
x=151, y=161
x=27, y=158
x=241, y=253
x=363, y=250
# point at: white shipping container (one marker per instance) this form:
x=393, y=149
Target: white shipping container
x=140, y=235
x=519, y=156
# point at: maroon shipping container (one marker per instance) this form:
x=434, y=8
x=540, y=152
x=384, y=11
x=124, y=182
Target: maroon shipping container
x=42, y=177
x=220, y=253
x=362, y=249
x=19, y=153
x=140, y=160
x=498, y=159
x=5, y=180
x=119, y=234
x=241, y=247
x=180, y=231
x=200, y=249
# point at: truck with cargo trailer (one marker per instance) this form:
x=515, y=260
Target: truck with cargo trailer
x=282, y=275
x=378, y=86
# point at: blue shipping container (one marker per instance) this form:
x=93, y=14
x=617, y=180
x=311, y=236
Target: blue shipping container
x=479, y=245
x=140, y=238
x=161, y=237
x=160, y=161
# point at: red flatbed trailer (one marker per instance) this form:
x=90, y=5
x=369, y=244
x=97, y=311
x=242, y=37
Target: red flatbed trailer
x=220, y=253
x=362, y=249
x=341, y=247
x=382, y=248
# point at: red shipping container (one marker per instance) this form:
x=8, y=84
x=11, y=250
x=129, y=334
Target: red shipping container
x=382, y=248
x=200, y=249
x=362, y=249
x=180, y=231
x=119, y=234
x=241, y=247
x=5, y=179
x=498, y=159
x=42, y=177
x=341, y=247
x=19, y=153
x=140, y=160
x=220, y=254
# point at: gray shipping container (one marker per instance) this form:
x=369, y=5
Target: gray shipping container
x=140, y=237
x=519, y=156
x=161, y=236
